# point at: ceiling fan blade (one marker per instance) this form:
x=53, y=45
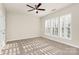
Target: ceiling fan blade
x=36, y=11
x=38, y=5
x=42, y=9
x=30, y=6
x=31, y=10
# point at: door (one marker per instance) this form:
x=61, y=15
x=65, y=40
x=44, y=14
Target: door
x=2, y=32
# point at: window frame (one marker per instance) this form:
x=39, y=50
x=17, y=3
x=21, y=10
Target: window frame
x=54, y=20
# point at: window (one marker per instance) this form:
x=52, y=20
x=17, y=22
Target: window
x=47, y=27
x=55, y=26
x=59, y=26
x=65, y=26
x=62, y=24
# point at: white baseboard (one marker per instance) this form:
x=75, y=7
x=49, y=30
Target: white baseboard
x=23, y=38
x=64, y=42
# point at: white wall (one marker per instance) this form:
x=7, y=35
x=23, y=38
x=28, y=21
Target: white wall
x=2, y=10
x=22, y=26
x=74, y=10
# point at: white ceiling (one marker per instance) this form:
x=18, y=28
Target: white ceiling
x=22, y=8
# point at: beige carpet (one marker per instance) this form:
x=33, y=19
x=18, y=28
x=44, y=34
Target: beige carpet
x=38, y=46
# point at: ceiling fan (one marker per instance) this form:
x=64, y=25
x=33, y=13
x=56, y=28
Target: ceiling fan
x=36, y=8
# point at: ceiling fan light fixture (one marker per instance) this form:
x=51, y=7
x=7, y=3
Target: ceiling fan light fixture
x=36, y=8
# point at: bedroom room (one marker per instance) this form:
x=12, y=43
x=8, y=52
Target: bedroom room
x=39, y=29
